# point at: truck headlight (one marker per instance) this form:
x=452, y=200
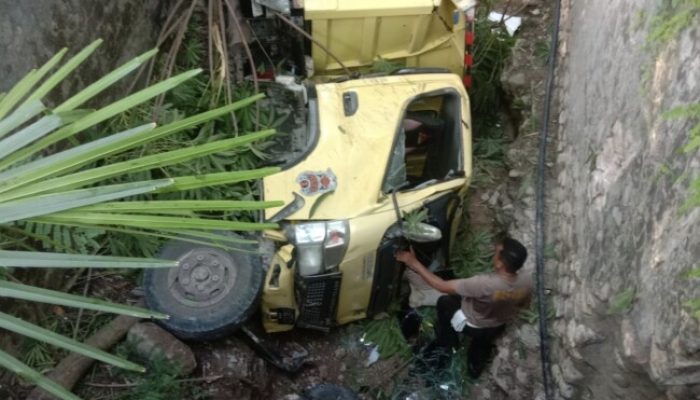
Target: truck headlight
x=320, y=245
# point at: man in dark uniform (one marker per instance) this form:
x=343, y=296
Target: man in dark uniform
x=479, y=306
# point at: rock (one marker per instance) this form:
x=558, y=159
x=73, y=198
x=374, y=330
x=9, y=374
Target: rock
x=529, y=336
x=514, y=81
x=569, y=372
x=323, y=372
x=234, y=360
x=150, y=339
x=680, y=393
x=566, y=390
x=493, y=201
x=514, y=173
x=632, y=349
x=580, y=335
x=620, y=380
x=340, y=353
x=292, y=397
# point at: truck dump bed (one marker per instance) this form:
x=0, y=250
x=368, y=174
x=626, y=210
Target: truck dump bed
x=415, y=33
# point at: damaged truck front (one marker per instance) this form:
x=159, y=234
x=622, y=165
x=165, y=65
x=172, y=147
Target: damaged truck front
x=373, y=147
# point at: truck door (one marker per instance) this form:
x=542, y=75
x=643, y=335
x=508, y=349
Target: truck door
x=429, y=167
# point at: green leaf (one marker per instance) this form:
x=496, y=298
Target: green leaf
x=51, y=203
x=197, y=237
x=44, y=335
x=15, y=94
x=66, y=69
x=38, y=259
x=31, y=293
x=151, y=221
x=67, y=160
x=622, y=302
x=141, y=164
x=21, y=115
x=19, y=368
x=99, y=116
x=105, y=82
x=157, y=206
x=71, y=116
x=694, y=273
x=218, y=178
x=29, y=134
x=19, y=91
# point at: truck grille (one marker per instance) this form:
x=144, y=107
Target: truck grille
x=318, y=296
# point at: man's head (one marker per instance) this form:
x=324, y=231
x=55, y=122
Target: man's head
x=509, y=256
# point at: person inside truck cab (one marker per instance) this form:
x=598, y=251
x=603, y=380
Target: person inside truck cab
x=479, y=306
x=421, y=131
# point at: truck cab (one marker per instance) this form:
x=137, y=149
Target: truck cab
x=407, y=134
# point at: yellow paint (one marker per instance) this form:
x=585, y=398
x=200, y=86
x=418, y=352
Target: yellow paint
x=282, y=295
x=366, y=233
x=357, y=148
x=416, y=33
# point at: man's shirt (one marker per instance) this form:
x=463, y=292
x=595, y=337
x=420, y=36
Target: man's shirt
x=491, y=300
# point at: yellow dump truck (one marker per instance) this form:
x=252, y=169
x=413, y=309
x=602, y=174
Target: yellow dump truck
x=372, y=149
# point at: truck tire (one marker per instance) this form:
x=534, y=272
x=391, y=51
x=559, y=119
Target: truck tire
x=211, y=293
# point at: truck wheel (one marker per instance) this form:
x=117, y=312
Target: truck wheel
x=209, y=295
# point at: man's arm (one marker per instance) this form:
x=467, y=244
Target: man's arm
x=439, y=284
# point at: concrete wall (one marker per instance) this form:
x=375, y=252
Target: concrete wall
x=616, y=219
x=31, y=31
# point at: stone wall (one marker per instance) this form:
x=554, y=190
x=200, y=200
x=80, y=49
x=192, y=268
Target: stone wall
x=616, y=207
x=31, y=31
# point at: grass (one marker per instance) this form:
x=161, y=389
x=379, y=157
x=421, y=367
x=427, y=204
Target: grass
x=474, y=255
x=386, y=334
x=531, y=315
x=673, y=17
x=160, y=381
x=622, y=302
x=542, y=50
x=693, y=305
x=690, y=112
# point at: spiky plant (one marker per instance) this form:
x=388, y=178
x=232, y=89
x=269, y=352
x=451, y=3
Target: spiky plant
x=48, y=177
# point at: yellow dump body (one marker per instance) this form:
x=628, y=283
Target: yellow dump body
x=415, y=33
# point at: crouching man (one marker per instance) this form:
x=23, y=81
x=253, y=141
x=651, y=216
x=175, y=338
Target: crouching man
x=478, y=306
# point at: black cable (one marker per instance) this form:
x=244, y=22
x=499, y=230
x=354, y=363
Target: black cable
x=539, y=208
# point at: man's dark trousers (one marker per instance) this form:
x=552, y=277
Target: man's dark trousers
x=447, y=338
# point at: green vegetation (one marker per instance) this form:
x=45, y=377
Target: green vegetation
x=56, y=171
x=673, y=17
x=693, y=305
x=491, y=51
x=532, y=314
x=692, y=113
x=622, y=302
x=474, y=254
x=386, y=334
x=542, y=50
x=382, y=65
x=161, y=381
